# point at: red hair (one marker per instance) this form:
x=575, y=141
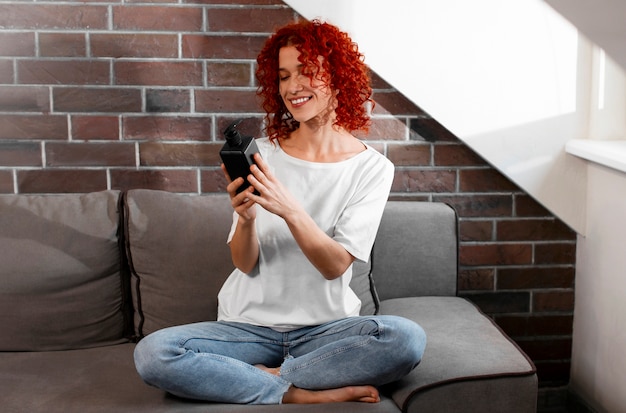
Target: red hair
x=340, y=59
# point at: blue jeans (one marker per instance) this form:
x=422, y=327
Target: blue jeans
x=214, y=361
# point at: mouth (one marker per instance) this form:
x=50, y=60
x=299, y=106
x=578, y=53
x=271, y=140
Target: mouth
x=300, y=101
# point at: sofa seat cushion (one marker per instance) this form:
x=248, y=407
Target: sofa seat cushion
x=61, y=278
x=104, y=380
x=466, y=355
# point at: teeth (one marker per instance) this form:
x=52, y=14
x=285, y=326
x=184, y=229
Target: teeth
x=299, y=100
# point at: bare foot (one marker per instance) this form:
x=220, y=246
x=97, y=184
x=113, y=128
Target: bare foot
x=365, y=394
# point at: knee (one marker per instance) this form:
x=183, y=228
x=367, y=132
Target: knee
x=409, y=340
x=150, y=355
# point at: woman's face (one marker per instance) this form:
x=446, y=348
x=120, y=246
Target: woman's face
x=305, y=97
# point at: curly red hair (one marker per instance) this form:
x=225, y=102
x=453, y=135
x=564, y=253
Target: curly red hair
x=340, y=58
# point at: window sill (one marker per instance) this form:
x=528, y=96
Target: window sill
x=609, y=153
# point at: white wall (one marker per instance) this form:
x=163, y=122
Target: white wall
x=599, y=359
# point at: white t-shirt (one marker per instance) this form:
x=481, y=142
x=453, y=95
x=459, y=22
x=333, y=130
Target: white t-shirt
x=285, y=291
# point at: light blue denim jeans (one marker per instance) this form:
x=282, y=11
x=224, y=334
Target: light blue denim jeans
x=214, y=361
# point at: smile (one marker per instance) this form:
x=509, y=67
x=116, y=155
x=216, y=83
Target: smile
x=299, y=101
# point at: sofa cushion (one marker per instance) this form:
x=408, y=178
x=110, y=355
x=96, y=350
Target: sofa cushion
x=179, y=259
x=178, y=256
x=469, y=364
x=416, y=250
x=104, y=380
x=60, y=279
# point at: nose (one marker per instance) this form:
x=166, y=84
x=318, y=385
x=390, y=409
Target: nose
x=295, y=84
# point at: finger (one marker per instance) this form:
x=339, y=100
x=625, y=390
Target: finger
x=262, y=165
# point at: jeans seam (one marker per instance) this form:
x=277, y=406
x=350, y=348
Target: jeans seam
x=327, y=355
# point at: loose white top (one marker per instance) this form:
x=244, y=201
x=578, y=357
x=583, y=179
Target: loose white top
x=285, y=291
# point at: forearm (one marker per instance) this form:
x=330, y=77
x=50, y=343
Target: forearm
x=329, y=257
x=244, y=247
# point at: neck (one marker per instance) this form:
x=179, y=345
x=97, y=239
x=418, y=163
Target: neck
x=326, y=143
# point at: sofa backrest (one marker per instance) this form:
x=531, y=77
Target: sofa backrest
x=179, y=259
x=416, y=250
x=84, y=270
x=61, y=272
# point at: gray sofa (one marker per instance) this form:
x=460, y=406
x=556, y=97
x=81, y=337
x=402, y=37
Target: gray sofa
x=84, y=276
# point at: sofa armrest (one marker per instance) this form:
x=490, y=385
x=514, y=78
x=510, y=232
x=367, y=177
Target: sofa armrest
x=469, y=364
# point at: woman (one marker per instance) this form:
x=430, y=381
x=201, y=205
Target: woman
x=288, y=328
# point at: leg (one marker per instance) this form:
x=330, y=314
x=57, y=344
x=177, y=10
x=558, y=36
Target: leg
x=355, y=351
x=213, y=361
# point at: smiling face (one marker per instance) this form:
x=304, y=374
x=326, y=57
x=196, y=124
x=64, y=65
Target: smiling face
x=305, y=94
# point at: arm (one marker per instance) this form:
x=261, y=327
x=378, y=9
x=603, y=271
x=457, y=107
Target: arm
x=244, y=247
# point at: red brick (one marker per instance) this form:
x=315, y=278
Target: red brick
x=471, y=230
x=394, y=103
x=213, y=180
x=24, y=99
x=227, y=101
x=134, y=45
x=168, y=100
x=229, y=74
x=555, y=253
x=534, y=229
x=248, y=19
x=431, y=130
x=20, y=154
x=6, y=71
x=6, y=182
x=549, y=301
x=179, y=154
x=526, y=206
x=249, y=126
x=173, y=180
x=163, y=73
x=409, y=154
x=53, y=16
x=157, y=18
x=33, y=127
x=378, y=82
x=533, y=277
x=496, y=254
x=90, y=154
x=85, y=100
x=61, y=181
x=17, y=44
x=418, y=180
x=476, y=279
x=386, y=129
x=479, y=205
x=233, y=46
x=536, y=325
x=62, y=45
x=547, y=349
x=95, y=128
x=456, y=155
x=171, y=128
x=64, y=72
x=499, y=302
x=484, y=180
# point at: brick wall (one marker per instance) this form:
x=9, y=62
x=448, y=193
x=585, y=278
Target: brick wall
x=118, y=95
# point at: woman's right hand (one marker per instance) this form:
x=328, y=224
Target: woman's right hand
x=241, y=203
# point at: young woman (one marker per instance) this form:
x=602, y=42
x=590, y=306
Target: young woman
x=288, y=328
